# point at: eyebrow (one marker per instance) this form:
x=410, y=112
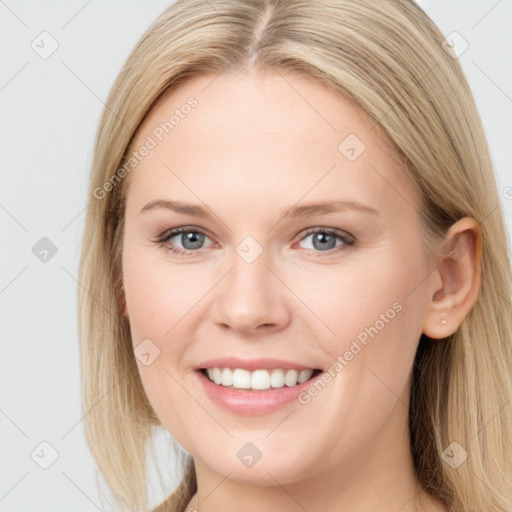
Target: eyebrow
x=305, y=210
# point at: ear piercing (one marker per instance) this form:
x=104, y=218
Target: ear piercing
x=443, y=321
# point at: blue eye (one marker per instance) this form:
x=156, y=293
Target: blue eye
x=192, y=239
x=324, y=239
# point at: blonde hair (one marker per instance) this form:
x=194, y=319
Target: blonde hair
x=386, y=57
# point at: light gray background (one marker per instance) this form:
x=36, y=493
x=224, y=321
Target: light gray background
x=50, y=109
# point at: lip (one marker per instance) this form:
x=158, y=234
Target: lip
x=251, y=402
x=252, y=364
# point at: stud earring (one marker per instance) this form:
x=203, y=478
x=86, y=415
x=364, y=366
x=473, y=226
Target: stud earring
x=443, y=321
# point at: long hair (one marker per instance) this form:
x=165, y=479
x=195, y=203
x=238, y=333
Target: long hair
x=388, y=59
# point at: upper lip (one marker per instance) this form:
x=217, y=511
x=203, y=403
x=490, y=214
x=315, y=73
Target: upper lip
x=252, y=364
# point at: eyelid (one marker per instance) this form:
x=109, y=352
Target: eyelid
x=325, y=229
x=171, y=233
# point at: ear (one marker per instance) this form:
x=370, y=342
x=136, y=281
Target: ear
x=454, y=284
x=123, y=309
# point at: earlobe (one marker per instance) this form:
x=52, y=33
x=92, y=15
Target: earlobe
x=453, y=286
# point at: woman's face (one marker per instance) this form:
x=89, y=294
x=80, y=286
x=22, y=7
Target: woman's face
x=347, y=298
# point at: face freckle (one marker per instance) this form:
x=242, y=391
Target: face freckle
x=258, y=286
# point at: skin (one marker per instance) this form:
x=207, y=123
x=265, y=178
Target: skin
x=255, y=145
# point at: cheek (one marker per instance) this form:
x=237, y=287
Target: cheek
x=156, y=298
x=157, y=302
x=371, y=313
x=376, y=323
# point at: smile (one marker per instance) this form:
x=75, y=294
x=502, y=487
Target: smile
x=257, y=391
x=259, y=379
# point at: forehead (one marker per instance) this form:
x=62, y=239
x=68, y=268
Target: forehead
x=252, y=134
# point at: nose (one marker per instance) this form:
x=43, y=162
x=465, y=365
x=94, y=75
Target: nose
x=252, y=298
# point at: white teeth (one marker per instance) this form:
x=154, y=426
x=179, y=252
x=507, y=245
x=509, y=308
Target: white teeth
x=277, y=378
x=290, y=379
x=258, y=379
x=217, y=376
x=227, y=377
x=241, y=379
x=304, y=375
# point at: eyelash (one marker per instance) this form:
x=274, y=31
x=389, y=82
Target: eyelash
x=348, y=241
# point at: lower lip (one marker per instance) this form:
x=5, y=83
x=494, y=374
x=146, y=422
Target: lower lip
x=250, y=402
